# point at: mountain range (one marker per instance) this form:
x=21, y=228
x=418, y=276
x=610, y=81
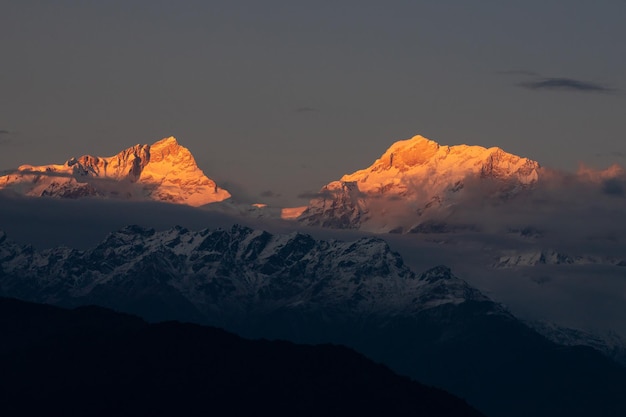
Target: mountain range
x=431, y=326
x=227, y=277
x=416, y=186
x=421, y=174
x=499, y=218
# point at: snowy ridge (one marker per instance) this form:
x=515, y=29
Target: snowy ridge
x=163, y=171
x=417, y=179
x=231, y=273
x=512, y=259
x=609, y=343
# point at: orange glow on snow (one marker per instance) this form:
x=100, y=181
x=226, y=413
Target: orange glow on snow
x=163, y=171
x=291, y=213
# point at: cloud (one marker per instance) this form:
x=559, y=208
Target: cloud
x=575, y=215
x=518, y=72
x=572, y=214
x=238, y=191
x=565, y=84
x=3, y=139
x=306, y=109
x=29, y=179
x=333, y=191
x=77, y=176
x=45, y=174
x=613, y=186
x=82, y=223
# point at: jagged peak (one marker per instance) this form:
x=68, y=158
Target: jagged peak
x=180, y=229
x=422, y=156
x=418, y=150
x=439, y=272
x=415, y=142
x=166, y=141
x=163, y=171
x=241, y=229
x=406, y=153
x=414, y=175
x=163, y=148
x=134, y=229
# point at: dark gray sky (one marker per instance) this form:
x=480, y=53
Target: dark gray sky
x=277, y=98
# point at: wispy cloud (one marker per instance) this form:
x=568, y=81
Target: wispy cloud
x=536, y=81
x=332, y=193
x=238, y=191
x=613, y=186
x=519, y=72
x=306, y=109
x=44, y=222
x=47, y=173
x=565, y=84
x=3, y=139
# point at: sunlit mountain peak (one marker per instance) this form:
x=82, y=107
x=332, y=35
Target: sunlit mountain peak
x=420, y=157
x=163, y=171
x=415, y=178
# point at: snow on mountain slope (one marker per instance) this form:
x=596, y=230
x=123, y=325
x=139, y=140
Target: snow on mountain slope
x=230, y=273
x=528, y=258
x=417, y=179
x=609, y=343
x=431, y=326
x=163, y=171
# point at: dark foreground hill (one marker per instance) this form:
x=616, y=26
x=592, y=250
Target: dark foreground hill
x=92, y=361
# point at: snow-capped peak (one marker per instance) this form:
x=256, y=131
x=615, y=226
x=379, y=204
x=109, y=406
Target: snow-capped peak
x=237, y=268
x=414, y=176
x=426, y=161
x=163, y=171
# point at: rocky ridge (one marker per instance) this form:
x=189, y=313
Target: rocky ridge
x=530, y=258
x=225, y=275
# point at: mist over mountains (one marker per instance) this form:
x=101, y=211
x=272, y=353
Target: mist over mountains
x=419, y=186
x=416, y=186
x=444, y=252
x=472, y=208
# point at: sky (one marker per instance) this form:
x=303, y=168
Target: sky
x=277, y=98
